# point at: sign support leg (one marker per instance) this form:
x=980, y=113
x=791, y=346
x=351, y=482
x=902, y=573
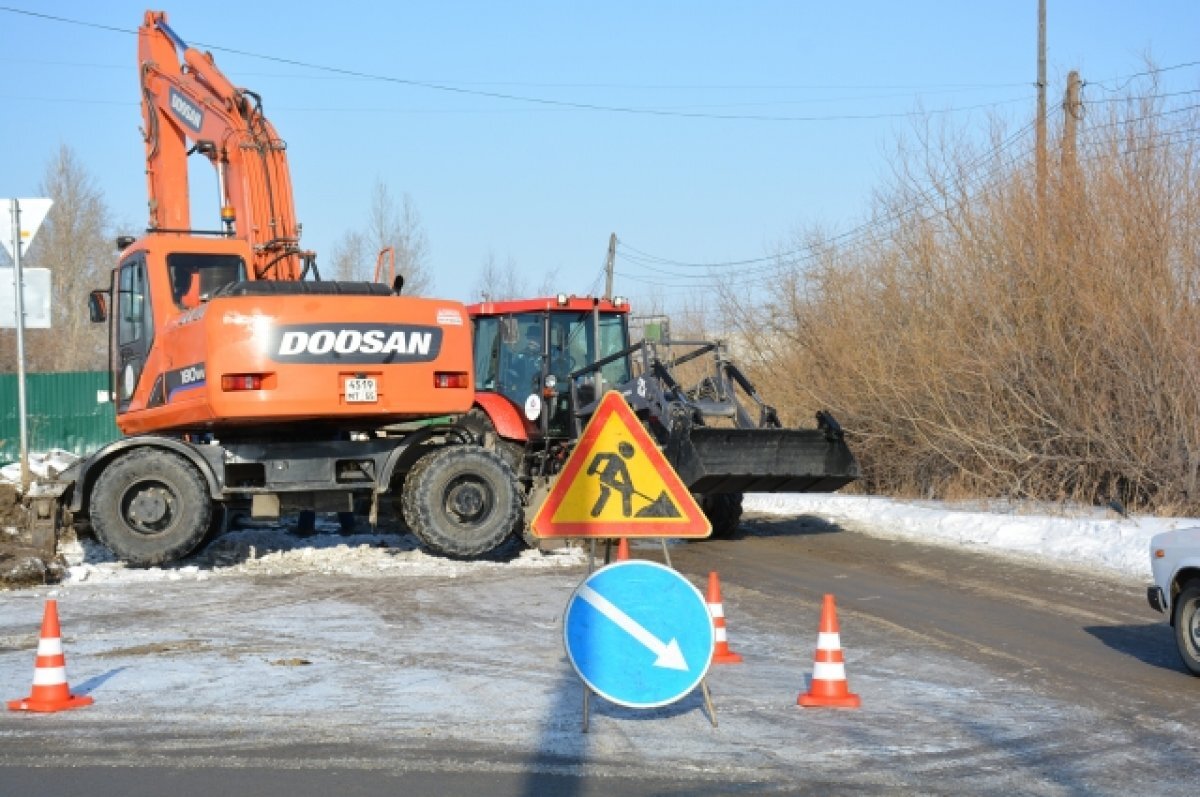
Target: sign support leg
x=19, y=284
x=666, y=553
x=712, y=711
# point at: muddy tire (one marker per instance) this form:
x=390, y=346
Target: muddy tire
x=1187, y=626
x=150, y=507
x=461, y=501
x=724, y=512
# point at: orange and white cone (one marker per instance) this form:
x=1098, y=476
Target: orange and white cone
x=623, y=550
x=721, y=652
x=829, y=686
x=50, y=690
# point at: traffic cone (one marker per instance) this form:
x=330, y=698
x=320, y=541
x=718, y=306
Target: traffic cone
x=623, y=550
x=829, y=687
x=50, y=690
x=721, y=652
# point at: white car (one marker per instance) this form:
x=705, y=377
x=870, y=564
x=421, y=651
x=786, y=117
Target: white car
x=1175, y=562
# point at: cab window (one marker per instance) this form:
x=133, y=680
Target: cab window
x=196, y=277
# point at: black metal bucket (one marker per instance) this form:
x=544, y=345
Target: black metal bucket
x=717, y=460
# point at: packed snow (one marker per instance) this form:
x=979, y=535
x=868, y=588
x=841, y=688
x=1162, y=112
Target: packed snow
x=1080, y=538
x=1069, y=536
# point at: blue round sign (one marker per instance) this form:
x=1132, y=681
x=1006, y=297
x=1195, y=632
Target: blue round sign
x=639, y=634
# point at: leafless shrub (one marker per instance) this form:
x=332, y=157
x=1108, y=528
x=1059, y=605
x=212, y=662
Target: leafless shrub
x=979, y=343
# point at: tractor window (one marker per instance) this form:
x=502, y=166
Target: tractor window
x=196, y=277
x=571, y=343
x=487, y=352
x=521, y=355
x=613, y=339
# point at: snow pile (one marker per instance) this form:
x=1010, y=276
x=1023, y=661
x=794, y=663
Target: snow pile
x=1081, y=537
x=42, y=465
x=1077, y=537
x=275, y=550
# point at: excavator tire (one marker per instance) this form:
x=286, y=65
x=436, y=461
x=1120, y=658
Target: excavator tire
x=461, y=501
x=724, y=512
x=150, y=507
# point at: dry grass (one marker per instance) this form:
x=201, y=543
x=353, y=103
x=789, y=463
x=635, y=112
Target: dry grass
x=978, y=347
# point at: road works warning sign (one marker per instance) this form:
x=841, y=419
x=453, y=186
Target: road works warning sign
x=616, y=483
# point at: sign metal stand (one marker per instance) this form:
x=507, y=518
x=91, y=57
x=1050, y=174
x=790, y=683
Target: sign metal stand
x=710, y=707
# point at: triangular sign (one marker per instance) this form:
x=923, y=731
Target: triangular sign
x=33, y=213
x=616, y=483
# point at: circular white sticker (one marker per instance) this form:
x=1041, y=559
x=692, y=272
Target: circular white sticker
x=533, y=406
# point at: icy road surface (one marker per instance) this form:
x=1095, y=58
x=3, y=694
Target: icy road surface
x=380, y=657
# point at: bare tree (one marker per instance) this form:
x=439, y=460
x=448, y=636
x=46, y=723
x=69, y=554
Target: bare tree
x=389, y=225
x=350, y=259
x=74, y=243
x=496, y=282
x=401, y=228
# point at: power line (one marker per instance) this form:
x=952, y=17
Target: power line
x=542, y=101
x=759, y=275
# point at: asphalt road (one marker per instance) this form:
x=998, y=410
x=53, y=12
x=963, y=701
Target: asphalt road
x=978, y=675
x=1068, y=634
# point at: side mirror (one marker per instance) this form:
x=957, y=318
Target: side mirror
x=98, y=306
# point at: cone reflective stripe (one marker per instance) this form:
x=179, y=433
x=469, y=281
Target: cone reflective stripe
x=721, y=652
x=829, y=686
x=50, y=691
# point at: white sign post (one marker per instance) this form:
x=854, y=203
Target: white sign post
x=35, y=213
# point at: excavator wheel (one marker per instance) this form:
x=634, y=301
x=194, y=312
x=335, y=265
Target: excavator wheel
x=724, y=512
x=461, y=501
x=149, y=507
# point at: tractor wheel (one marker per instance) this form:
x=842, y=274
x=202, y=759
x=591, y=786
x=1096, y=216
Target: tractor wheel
x=724, y=512
x=150, y=507
x=461, y=501
x=479, y=423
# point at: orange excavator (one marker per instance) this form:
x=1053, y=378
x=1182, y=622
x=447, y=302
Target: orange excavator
x=240, y=377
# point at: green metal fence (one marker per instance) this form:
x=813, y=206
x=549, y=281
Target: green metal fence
x=66, y=410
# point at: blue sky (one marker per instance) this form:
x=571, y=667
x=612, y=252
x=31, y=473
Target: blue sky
x=698, y=132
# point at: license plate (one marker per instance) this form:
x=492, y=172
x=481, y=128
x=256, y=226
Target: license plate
x=361, y=391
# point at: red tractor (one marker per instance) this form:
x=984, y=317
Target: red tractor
x=541, y=366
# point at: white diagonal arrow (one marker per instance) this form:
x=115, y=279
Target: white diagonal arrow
x=669, y=654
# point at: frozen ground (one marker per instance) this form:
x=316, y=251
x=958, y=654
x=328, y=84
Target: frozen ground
x=267, y=639
x=1080, y=537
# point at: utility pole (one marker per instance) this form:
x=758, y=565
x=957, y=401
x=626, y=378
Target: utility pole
x=608, y=266
x=1072, y=111
x=1041, y=109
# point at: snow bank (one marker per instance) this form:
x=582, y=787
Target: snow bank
x=1080, y=537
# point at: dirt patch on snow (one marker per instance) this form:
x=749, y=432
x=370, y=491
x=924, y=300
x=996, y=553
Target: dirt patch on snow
x=12, y=513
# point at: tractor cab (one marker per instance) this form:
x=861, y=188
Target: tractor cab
x=533, y=352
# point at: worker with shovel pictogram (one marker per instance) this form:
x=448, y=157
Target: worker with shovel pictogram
x=614, y=475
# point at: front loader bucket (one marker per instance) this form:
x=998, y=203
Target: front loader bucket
x=717, y=460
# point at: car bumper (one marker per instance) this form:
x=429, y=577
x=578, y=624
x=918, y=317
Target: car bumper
x=1154, y=595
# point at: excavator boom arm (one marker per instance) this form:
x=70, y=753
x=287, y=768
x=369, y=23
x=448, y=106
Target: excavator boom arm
x=190, y=107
